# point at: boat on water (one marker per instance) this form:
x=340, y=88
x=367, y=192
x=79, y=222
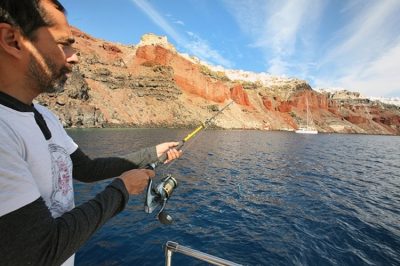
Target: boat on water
x=309, y=129
x=303, y=130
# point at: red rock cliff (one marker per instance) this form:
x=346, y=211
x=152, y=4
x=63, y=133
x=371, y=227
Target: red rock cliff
x=153, y=85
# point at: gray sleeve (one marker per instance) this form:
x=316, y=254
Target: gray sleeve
x=86, y=169
x=142, y=157
x=31, y=236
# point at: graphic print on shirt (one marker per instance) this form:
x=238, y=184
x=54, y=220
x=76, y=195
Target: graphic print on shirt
x=62, y=196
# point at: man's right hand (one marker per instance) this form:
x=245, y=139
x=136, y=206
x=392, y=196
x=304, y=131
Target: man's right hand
x=136, y=180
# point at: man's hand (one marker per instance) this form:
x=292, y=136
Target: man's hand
x=136, y=180
x=169, y=149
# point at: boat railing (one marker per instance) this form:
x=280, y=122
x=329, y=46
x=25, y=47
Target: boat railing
x=171, y=247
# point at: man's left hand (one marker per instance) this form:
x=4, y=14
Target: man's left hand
x=170, y=149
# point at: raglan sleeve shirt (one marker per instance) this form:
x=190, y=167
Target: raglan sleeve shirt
x=29, y=233
x=18, y=187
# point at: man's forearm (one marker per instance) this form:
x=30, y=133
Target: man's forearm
x=31, y=236
x=86, y=169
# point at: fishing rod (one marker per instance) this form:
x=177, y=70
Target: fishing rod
x=158, y=195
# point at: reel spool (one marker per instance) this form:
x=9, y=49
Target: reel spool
x=158, y=195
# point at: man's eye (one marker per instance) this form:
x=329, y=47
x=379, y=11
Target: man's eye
x=68, y=48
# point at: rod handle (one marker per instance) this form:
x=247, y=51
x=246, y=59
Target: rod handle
x=164, y=156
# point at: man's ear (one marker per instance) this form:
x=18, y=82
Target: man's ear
x=10, y=40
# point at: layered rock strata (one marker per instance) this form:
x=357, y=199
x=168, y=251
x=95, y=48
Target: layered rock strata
x=152, y=85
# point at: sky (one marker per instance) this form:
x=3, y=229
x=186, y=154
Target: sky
x=349, y=44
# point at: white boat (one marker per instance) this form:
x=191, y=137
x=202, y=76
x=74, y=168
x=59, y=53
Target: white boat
x=303, y=130
x=308, y=129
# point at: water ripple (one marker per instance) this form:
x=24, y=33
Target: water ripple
x=259, y=198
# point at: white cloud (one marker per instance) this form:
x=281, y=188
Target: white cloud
x=379, y=78
x=362, y=55
x=180, y=22
x=276, y=27
x=366, y=54
x=278, y=66
x=159, y=20
x=195, y=45
x=284, y=30
x=202, y=49
x=249, y=15
x=367, y=33
x=283, y=27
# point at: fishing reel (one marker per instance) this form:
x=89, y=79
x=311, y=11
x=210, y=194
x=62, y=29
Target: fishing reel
x=158, y=195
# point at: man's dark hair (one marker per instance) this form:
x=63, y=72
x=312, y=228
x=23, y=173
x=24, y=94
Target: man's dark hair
x=28, y=15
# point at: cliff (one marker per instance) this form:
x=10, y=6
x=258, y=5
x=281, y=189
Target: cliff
x=153, y=85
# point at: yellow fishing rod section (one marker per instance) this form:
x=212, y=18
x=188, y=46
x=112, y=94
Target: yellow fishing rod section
x=204, y=124
x=194, y=132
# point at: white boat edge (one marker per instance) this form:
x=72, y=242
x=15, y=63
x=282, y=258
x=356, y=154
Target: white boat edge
x=306, y=131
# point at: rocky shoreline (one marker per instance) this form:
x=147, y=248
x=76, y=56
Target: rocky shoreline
x=152, y=85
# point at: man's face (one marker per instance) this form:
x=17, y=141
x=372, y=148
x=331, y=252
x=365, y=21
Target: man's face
x=52, y=55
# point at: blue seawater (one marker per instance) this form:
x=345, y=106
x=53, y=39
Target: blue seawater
x=257, y=198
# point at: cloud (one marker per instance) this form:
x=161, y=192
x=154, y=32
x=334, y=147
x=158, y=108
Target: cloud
x=369, y=31
x=349, y=44
x=278, y=66
x=379, y=78
x=283, y=27
x=250, y=15
x=195, y=45
x=180, y=22
x=277, y=27
x=365, y=54
x=284, y=31
x=202, y=49
x=159, y=20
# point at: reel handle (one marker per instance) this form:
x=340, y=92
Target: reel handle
x=165, y=218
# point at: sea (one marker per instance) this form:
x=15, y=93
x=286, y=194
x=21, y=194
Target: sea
x=256, y=198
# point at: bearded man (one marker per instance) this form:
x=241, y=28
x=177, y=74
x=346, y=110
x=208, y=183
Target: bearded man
x=39, y=223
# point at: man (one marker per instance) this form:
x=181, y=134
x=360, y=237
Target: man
x=39, y=224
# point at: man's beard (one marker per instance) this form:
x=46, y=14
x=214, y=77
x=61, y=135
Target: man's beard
x=54, y=82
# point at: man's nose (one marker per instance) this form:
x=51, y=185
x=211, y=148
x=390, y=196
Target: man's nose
x=73, y=58
x=71, y=55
